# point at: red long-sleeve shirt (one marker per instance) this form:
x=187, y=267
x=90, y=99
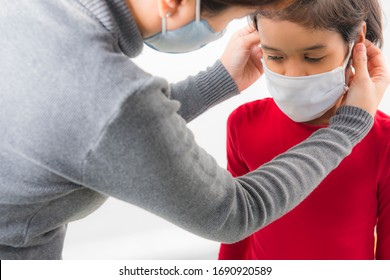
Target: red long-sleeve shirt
x=338, y=220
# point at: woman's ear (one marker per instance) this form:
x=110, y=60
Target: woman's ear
x=166, y=7
x=179, y=12
x=361, y=37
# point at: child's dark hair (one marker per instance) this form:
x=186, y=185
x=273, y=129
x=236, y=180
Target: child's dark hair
x=342, y=16
x=216, y=6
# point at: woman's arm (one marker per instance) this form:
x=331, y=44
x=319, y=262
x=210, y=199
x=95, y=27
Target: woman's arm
x=148, y=157
x=238, y=68
x=198, y=93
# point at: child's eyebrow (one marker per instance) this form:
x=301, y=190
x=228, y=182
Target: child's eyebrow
x=315, y=47
x=311, y=48
x=268, y=48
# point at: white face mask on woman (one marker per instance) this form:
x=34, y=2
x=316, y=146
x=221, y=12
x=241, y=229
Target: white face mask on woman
x=306, y=98
x=190, y=37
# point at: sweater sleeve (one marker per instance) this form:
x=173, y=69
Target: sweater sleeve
x=148, y=157
x=198, y=93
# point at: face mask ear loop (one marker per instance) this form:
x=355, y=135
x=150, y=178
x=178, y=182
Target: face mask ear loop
x=197, y=11
x=347, y=65
x=164, y=23
x=349, y=55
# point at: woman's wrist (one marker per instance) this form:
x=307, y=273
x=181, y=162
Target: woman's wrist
x=353, y=121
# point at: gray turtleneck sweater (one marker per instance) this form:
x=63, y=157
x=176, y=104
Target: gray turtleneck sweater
x=79, y=122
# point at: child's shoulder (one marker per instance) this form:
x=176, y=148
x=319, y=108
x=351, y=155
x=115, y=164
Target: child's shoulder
x=251, y=108
x=382, y=119
x=382, y=124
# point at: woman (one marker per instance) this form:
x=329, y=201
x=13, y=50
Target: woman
x=306, y=53
x=81, y=122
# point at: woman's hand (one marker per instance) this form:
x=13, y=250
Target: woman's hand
x=241, y=57
x=370, y=80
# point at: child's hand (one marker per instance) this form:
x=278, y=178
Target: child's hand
x=241, y=57
x=370, y=80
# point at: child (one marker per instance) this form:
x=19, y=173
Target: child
x=306, y=57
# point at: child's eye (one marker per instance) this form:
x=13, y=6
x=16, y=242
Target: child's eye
x=313, y=59
x=274, y=57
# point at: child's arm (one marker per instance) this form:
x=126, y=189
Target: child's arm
x=235, y=164
x=383, y=224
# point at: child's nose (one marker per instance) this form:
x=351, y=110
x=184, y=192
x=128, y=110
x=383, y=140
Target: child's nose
x=294, y=69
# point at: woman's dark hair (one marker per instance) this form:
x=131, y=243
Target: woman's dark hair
x=216, y=6
x=342, y=16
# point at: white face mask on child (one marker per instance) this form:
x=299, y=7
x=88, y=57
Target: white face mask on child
x=306, y=98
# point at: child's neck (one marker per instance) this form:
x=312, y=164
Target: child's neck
x=324, y=119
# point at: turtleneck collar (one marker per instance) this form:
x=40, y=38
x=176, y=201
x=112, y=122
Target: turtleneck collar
x=116, y=17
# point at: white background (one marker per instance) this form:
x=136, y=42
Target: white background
x=121, y=231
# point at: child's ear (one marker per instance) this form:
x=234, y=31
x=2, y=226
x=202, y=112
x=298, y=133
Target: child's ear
x=361, y=37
